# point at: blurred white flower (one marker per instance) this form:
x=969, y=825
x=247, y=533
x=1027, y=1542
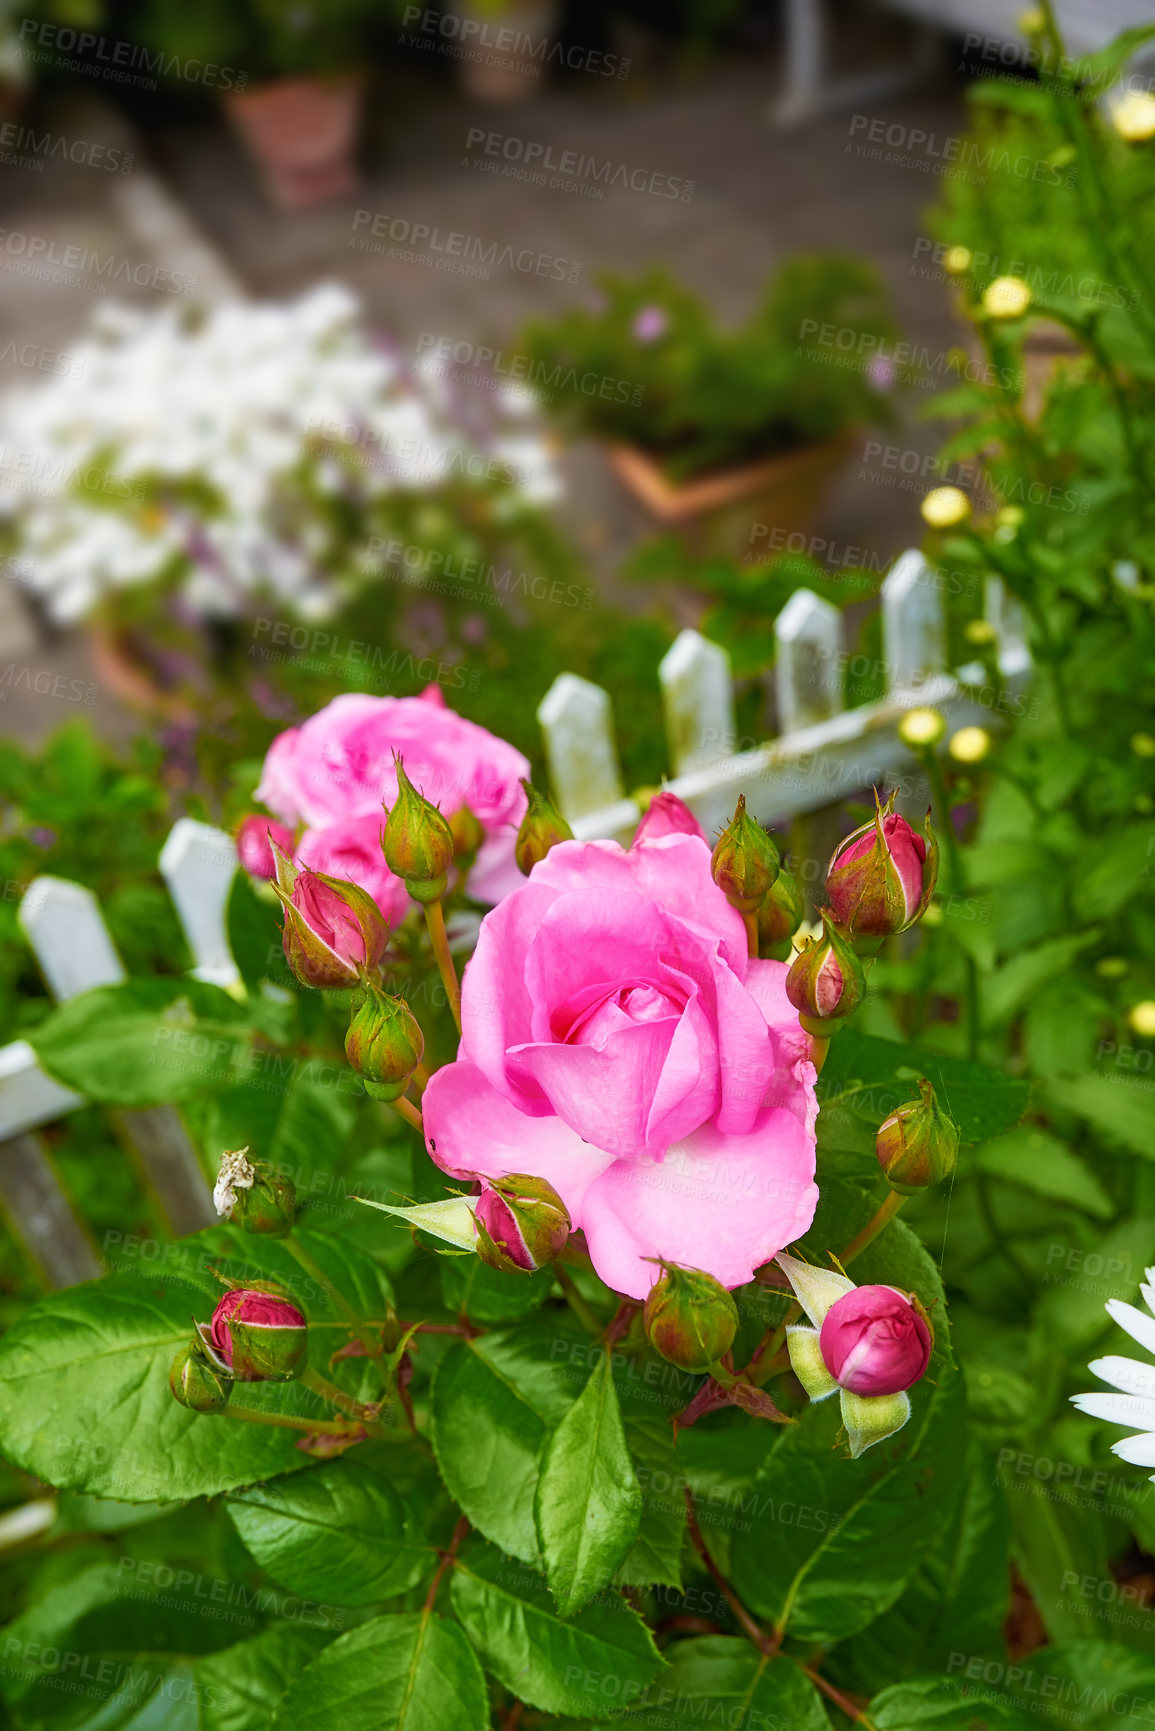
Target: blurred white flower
x=1134, y=1405
x=203, y=451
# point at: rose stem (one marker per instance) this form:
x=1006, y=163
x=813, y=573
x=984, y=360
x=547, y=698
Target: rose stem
x=575, y=1300
x=446, y=1561
x=435, y=920
x=409, y=1112
x=841, y=1701
x=872, y=1229
x=300, y=1255
x=818, y=1051
x=751, y=923
x=335, y=1396
x=337, y=1427
x=421, y=1078
x=749, y=1627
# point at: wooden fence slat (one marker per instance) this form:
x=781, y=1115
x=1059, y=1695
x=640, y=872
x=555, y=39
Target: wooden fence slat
x=198, y=863
x=27, y=1096
x=576, y=719
x=698, y=699
x=808, y=669
x=913, y=622
x=42, y=1216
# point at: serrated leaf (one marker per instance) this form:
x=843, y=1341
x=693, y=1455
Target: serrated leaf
x=403, y=1673
x=718, y=1680
x=588, y=1507
x=947, y=1704
x=338, y=1532
x=509, y=1616
x=868, y=1077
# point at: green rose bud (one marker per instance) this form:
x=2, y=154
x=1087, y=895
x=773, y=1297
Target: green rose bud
x=418, y=842
x=468, y=833
x=384, y=1044
x=197, y=1382
x=690, y=1318
x=542, y=827
x=918, y=1144
x=522, y=1223
x=745, y=861
x=826, y=979
x=781, y=913
x=253, y=1196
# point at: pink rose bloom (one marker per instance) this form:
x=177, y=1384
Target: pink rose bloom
x=352, y=850
x=666, y=814
x=874, y=1341
x=338, y=765
x=618, y=1042
x=253, y=849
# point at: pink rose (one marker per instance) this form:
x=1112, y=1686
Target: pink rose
x=253, y=850
x=352, y=850
x=874, y=1341
x=666, y=814
x=339, y=765
x=618, y=1042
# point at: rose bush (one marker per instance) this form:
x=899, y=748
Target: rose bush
x=618, y=1041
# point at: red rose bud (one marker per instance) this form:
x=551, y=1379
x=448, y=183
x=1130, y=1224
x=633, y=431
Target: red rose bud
x=876, y=1340
x=259, y=1337
x=666, y=814
x=418, y=842
x=197, y=1382
x=542, y=827
x=826, y=978
x=384, y=1044
x=253, y=1196
x=334, y=932
x=253, y=844
x=467, y=832
x=745, y=861
x=690, y=1318
x=918, y=1144
x=522, y=1223
x=780, y=915
x=882, y=877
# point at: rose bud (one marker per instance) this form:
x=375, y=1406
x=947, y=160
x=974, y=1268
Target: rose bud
x=542, y=827
x=253, y=1196
x=522, y=1223
x=384, y=1044
x=467, y=832
x=418, y=842
x=745, y=861
x=334, y=932
x=780, y=915
x=690, y=1318
x=666, y=814
x=918, y=1144
x=197, y=1382
x=259, y=1336
x=254, y=852
x=826, y=979
x=882, y=877
x=876, y=1340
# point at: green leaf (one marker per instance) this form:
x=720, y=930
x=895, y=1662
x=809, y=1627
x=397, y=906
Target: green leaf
x=337, y=1532
x=949, y=1704
x=84, y=1395
x=403, y=1673
x=1120, y=1109
x=1122, y=867
x=1036, y=1160
x=1058, y=1545
x=145, y=1042
x=1013, y=986
x=495, y=1401
x=510, y=1618
x=885, y=1073
x=254, y=930
x=1097, y=1684
x=719, y=1680
x=471, y=1288
x=588, y=1508
x=299, y=1120
x=656, y=1556
x=241, y=1686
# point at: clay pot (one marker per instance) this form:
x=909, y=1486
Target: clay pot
x=302, y=133
x=504, y=58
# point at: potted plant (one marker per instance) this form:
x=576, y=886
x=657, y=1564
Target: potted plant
x=291, y=79
x=502, y=46
x=711, y=429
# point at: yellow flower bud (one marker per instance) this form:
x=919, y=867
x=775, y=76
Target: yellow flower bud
x=1142, y=1018
x=1133, y=116
x=969, y=744
x=1008, y=297
x=945, y=507
x=957, y=259
x=920, y=728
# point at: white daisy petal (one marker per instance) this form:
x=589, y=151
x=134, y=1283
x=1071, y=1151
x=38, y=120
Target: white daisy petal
x=1127, y=1409
x=1138, y=1450
x=1129, y=1374
x=1138, y=1326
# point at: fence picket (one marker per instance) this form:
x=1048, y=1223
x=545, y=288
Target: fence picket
x=698, y=699
x=913, y=623
x=576, y=720
x=809, y=676
x=198, y=863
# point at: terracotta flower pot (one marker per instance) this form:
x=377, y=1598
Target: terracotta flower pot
x=503, y=58
x=130, y=677
x=717, y=513
x=302, y=133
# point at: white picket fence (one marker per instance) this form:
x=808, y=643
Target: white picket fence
x=822, y=754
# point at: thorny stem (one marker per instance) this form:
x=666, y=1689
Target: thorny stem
x=435, y=920
x=447, y=1560
x=764, y=1643
x=324, y=1427
x=871, y=1230
x=750, y=921
x=335, y=1396
x=841, y=1701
